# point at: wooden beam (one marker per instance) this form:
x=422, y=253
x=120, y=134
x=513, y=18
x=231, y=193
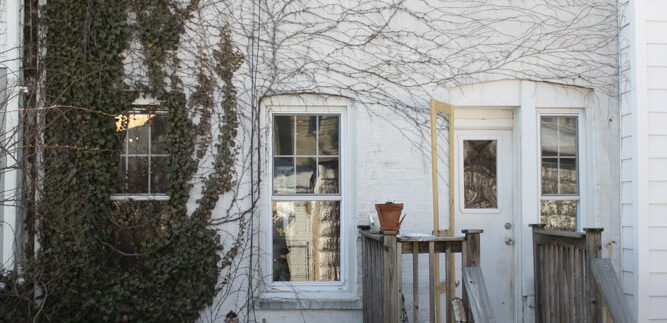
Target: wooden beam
x=611, y=290
x=479, y=302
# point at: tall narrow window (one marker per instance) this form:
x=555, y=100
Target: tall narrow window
x=560, y=177
x=306, y=197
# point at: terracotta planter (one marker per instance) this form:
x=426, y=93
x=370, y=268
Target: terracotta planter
x=389, y=214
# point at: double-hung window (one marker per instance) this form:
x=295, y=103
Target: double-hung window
x=306, y=197
x=143, y=155
x=560, y=157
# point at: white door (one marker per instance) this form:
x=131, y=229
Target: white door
x=484, y=195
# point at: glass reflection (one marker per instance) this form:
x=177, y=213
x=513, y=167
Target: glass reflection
x=327, y=176
x=328, y=141
x=283, y=175
x=306, y=135
x=480, y=180
x=559, y=215
x=305, y=175
x=283, y=134
x=137, y=170
x=568, y=176
x=567, y=136
x=159, y=182
x=549, y=176
x=306, y=240
x=159, y=134
x=549, y=136
x=137, y=134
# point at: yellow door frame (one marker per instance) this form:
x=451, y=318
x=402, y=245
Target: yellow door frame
x=447, y=109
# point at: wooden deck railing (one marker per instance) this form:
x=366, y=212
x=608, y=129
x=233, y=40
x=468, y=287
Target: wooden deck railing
x=569, y=274
x=382, y=275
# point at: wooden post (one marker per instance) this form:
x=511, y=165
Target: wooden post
x=537, y=275
x=392, y=278
x=593, y=250
x=470, y=258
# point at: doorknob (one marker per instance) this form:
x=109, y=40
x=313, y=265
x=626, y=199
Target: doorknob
x=509, y=241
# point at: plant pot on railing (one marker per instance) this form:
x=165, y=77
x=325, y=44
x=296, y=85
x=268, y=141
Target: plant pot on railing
x=389, y=215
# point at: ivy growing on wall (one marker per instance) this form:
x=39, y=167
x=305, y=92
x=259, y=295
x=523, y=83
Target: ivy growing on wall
x=125, y=260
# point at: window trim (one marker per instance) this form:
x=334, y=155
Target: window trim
x=346, y=287
x=580, y=197
x=142, y=105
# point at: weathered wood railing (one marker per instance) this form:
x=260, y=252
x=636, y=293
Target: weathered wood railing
x=382, y=274
x=569, y=274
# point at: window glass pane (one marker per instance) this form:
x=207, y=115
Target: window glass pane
x=121, y=183
x=480, y=181
x=306, y=135
x=568, y=176
x=549, y=176
x=283, y=134
x=567, y=136
x=306, y=241
x=283, y=175
x=305, y=174
x=159, y=134
x=158, y=175
x=549, y=136
x=137, y=175
x=329, y=132
x=327, y=176
x=559, y=215
x=137, y=132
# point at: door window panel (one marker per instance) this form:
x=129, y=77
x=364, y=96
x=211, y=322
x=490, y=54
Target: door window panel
x=480, y=174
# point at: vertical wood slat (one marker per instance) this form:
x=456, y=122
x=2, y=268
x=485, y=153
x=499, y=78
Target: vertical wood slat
x=431, y=281
x=449, y=290
x=415, y=282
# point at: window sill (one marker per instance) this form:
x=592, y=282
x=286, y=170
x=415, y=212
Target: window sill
x=275, y=303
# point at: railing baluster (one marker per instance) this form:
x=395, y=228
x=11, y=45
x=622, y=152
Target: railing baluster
x=415, y=282
x=431, y=281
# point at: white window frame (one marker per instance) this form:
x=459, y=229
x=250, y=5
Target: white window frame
x=141, y=106
x=345, y=289
x=580, y=197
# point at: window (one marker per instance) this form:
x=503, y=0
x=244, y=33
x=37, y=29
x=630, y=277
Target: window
x=480, y=174
x=143, y=155
x=306, y=197
x=559, y=171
